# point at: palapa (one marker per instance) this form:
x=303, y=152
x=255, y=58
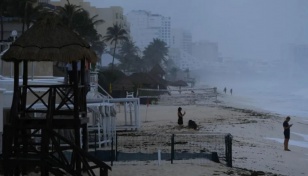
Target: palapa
x=157, y=70
x=123, y=83
x=50, y=40
x=179, y=83
x=148, y=80
x=141, y=78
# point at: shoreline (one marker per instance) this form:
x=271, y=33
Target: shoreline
x=292, y=162
x=250, y=128
x=297, y=119
x=253, y=153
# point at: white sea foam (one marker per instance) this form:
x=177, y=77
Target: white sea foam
x=291, y=142
x=303, y=143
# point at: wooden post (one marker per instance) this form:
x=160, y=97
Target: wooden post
x=23, y=108
x=172, y=148
x=76, y=114
x=83, y=106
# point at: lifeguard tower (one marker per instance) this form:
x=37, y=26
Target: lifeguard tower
x=33, y=136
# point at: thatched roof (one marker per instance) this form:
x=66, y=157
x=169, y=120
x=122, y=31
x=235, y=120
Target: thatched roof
x=162, y=83
x=157, y=70
x=179, y=83
x=141, y=78
x=49, y=40
x=123, y=82
x=146, y=78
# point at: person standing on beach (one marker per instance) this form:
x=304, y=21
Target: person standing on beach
x=231, y=91
x=286, y=133
x=180, y=116
x=225, y=89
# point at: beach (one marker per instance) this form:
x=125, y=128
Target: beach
x=257, y=140
x=257, y=146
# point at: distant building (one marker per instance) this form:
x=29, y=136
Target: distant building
x=184, y=60
x=144, y=27
x=182, y=40
x=297, y=58
x=206, y=51
x=111, y=15
x=85, y=5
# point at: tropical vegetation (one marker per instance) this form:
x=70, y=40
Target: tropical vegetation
x=130, y=61
x=155, y=53
x=74, y=16
x=115, y=34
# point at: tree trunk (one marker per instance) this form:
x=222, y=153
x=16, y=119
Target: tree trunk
x=2, y=33
x=24, y=19
x=114, y=50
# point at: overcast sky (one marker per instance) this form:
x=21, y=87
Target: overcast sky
x=243, y=29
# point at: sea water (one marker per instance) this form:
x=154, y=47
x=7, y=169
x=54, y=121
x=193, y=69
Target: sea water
x=283, y=99
x=287, y=98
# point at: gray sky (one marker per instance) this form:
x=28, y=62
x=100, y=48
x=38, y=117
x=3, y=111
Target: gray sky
x=242, y=28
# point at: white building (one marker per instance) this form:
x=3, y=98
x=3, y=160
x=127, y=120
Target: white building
x=206, y=51
x=145, y=27
x=182, y=40
x=184, y=60
x=180, y=50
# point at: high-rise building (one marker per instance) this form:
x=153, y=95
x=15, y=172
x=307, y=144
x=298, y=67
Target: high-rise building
x=184, y=60
x=182, y=40
x=205, y=51
x=144, y=27
x=111, y=15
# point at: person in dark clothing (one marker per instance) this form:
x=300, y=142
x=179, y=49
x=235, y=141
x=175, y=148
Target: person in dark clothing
x=192, y=124
x=180, y=116
x=286, y=133
x=70, y=72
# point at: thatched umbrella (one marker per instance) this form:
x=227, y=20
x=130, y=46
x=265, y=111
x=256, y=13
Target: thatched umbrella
x=158, y=70
x=142, y=79
x=49, y=40
x=123, y=83
x=179, y=83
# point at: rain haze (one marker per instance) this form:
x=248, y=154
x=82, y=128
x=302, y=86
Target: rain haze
x=250, y=29
x=263, y=45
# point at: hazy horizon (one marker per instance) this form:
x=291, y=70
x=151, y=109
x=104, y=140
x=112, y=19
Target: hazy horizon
x=243, y=29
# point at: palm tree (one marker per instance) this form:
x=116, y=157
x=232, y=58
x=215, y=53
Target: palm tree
x=174, y=72
x=114, y=35
x=155, y=53
x=128, y=56
x=85, y=25
x=187, y=73
x=99, y=47
x=80, y=21
x=68, y=12
x=26, y=10
x=2, y=9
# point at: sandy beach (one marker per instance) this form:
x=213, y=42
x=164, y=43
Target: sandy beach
x=257, y=147
x=257, y=140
